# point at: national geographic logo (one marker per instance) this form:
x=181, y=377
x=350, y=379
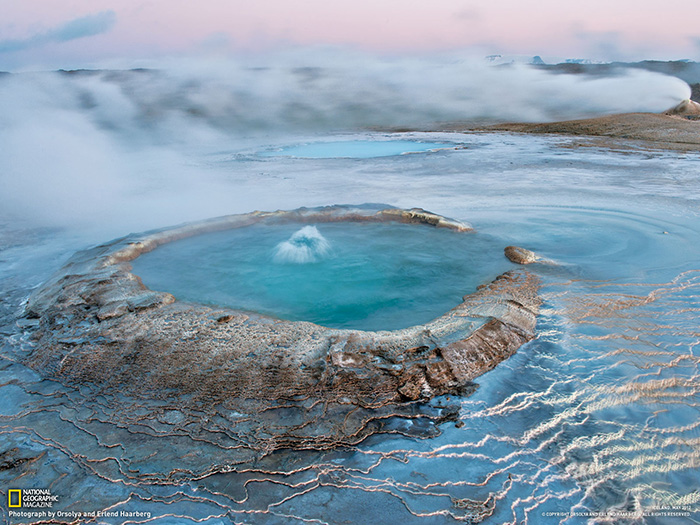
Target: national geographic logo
x=30, y=498
x=14, y=498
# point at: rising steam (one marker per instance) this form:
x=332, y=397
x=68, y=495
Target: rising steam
x=76, y=146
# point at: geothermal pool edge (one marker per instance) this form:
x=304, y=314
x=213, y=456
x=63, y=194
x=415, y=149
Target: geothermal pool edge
x=94, y=324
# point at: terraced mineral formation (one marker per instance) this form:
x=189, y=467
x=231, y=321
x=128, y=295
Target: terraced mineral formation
x=265, y=383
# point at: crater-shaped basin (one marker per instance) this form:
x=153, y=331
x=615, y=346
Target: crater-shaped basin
x=367, y=276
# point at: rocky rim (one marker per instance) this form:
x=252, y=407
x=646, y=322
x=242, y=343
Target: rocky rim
x=287, y=384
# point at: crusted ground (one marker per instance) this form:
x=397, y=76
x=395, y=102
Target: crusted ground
x=279, y=383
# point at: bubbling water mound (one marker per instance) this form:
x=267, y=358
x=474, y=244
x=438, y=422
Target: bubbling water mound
x=257, y=383
x=304, y=246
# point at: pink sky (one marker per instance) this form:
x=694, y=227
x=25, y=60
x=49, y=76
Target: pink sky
x=598, y=29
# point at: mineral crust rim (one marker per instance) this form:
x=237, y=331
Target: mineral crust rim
x=97, y=324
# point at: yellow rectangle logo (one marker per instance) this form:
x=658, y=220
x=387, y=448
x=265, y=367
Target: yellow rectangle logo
x=14, y=498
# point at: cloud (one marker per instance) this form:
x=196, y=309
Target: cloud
x=468, y=14
x=602, y=44
x=215, y=43
x=82, y=27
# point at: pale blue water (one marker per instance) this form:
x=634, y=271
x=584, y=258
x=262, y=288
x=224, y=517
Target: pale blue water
x=598, y=415
x=356, y=149
x=371, y=277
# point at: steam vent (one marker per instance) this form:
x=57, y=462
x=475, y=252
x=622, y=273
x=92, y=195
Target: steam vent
x=256, y=382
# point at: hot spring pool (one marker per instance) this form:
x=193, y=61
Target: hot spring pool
x=357, y=149
x=382, y=276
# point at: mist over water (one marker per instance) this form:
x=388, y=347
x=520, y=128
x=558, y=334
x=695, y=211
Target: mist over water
x=89, y=147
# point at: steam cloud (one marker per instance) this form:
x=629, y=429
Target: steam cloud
x=75, y=146
x=82, y=27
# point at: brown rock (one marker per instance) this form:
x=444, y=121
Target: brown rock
x=520, y=255
x=687, y=107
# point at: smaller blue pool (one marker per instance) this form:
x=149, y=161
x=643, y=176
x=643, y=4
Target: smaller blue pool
x=356, y=149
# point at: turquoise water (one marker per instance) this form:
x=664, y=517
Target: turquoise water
x=357, y=149
x=342, y=275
